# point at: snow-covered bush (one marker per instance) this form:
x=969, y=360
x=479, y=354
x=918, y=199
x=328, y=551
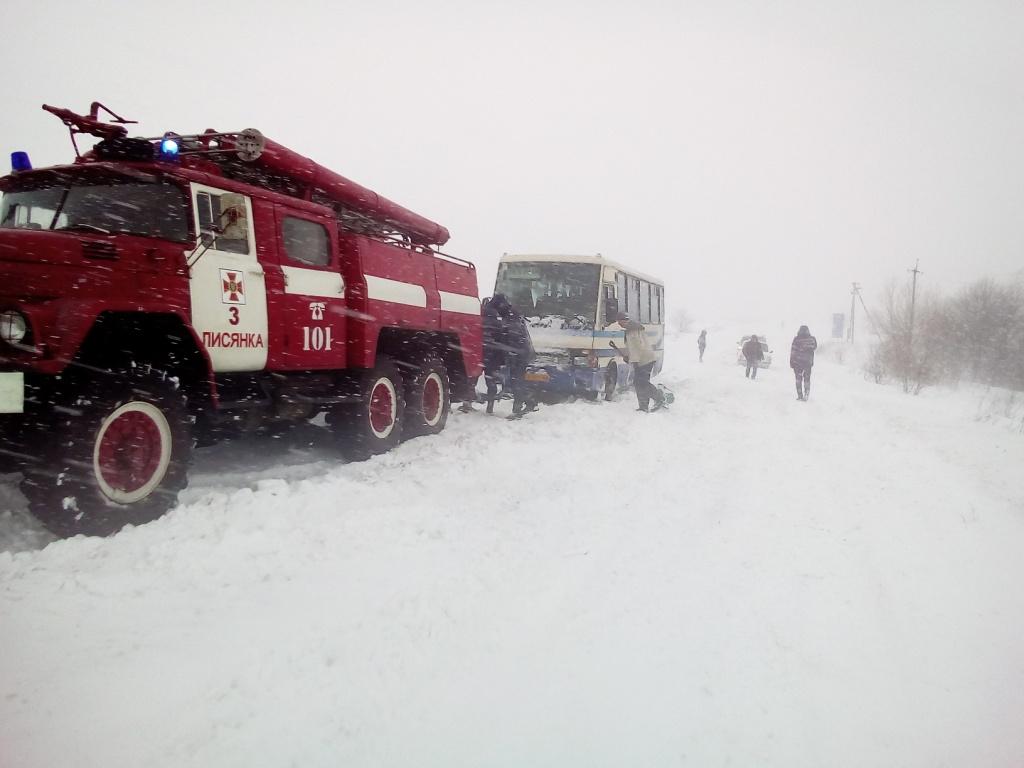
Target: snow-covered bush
x=977, y=335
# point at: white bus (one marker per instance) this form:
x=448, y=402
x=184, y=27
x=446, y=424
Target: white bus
x=571, y=304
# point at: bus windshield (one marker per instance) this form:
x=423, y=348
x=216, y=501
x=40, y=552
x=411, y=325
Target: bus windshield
x=552, y=289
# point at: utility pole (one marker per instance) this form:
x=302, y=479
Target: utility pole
x=860, y=298
x=854, y=293
x=913, y=300
x=910, y=334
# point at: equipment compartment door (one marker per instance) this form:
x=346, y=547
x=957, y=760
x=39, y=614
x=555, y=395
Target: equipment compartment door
x=227, y=285
x=312, y=308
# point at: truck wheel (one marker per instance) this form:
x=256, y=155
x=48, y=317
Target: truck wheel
x=374, y=425
x=118, y=455
x=427, y=400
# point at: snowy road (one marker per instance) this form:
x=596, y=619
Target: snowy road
x=745, y=580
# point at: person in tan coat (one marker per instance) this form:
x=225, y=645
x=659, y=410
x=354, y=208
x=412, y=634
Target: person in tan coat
x=639, y=354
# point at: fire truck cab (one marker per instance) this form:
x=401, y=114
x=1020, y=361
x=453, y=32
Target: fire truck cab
x=159, y=291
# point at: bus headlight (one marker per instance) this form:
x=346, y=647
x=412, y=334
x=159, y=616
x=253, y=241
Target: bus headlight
x=13, y=326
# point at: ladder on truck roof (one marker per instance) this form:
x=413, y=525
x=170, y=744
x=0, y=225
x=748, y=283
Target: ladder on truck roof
x=250, y=157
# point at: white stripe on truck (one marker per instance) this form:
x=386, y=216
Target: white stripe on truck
x=458, y=302
x=313, y=282
x=395, y=291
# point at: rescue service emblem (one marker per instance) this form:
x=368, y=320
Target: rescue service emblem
x=232, y=287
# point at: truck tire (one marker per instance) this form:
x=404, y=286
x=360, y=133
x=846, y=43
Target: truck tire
x=428, y=398
x=373, y=425
x=118, y=454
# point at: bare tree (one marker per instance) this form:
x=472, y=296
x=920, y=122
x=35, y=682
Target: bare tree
x=977, y=335
x=902, y=353
x=681, y=321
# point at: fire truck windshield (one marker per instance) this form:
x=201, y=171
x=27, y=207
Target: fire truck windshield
x=107, y=206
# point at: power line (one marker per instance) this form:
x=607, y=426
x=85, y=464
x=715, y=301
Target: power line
x=866, y=313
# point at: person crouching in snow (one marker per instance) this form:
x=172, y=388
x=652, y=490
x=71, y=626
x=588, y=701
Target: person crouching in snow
x=638, y=352
x=801, y=360
x=754, y=354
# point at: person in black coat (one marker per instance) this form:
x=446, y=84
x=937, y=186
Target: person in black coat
x=754, y=354
x=520, y=355
x=801, y=360
x=496, y=317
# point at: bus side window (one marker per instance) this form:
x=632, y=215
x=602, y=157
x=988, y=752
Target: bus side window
x=621, y=282
x=645, y=302
x=611, y=305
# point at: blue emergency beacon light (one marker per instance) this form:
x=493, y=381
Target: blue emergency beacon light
x=20, y=161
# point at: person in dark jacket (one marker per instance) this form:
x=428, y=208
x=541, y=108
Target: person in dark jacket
x=801, y=360
x=702, y=342
x=520, y=355
x=496, y=315
x=754, y=354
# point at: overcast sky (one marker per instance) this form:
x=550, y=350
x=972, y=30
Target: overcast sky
x=759, y=156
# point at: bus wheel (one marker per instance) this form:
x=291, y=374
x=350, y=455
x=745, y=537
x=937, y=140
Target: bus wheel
x=118, y=455
x=374, y=424
x=427, y=400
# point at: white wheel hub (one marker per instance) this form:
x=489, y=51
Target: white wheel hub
x=131, y=452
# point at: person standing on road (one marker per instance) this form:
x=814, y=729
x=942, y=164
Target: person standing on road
x=801, y=360
x=495, y=314
x=520, y=355
x=754, y=354
x=638, y=352
x=702, y=342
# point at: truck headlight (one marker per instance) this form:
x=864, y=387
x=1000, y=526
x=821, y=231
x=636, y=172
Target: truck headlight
x=13, y=326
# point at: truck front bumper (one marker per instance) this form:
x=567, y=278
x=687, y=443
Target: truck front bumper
x=12, y=392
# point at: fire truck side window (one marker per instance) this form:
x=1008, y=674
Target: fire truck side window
x=306, y=241
x=223, y=218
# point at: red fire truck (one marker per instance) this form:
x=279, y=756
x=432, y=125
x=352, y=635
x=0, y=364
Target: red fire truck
x=159, y=290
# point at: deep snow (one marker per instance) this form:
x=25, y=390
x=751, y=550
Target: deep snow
x=744, y=580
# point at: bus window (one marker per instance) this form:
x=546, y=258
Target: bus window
x=552, y=289
x=610, y=306
x=620, y=284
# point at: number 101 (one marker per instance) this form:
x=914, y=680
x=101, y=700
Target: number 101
x=316, y=339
